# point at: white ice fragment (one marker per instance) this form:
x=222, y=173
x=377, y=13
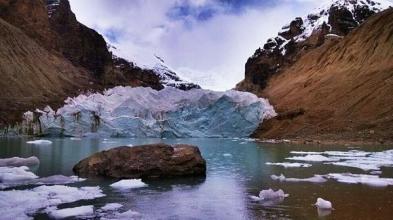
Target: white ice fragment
x=369, y=180
x=122, y=216
x=40, y=142
x=15, y=174
x=111, y=207
x=289, y=165
x=72, y=212
x=17, y=162
x=75, y=139
x=323, y=204
x=227, y=155
x=272, y=195
x=20, y=204
x=312, y=158
x=314, y=179
x=128, y=184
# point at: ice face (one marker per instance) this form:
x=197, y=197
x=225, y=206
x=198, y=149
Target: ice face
x=144, y=112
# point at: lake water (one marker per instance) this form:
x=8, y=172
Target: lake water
x=236, y=170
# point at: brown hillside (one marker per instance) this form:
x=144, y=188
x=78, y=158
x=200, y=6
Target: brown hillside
x=342, y=90
x=30, y=76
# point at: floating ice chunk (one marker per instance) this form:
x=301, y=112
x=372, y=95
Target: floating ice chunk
x=122, y=216
x=130, y=145
x=270, y=197
x=40, y=142
x=128, y=184
x=270, y=194
x=323, y=204
x=72, y=212
x=111, y=207
x=312, y=158
x=369, y=180
x=314, y=179
x=289, y=165
x=17, y=162
x=75, y=139
x=20, y=204
x=15, y=174
x=57, y=179
x=227, y=155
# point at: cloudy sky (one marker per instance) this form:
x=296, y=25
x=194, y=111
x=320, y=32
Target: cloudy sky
x=205, y=41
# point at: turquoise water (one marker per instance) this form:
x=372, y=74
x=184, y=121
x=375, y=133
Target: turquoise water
x=236, y=170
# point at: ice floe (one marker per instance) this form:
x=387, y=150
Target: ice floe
x=289, y=165
x=367, y=161
x=323, y=204
x=369, y=180
x=128, y=184
x=21, y=204
x=72, y=212
x=314, y=179
x=270, y=197
x=18, y=176
x=17, y=162
x=312, y=158
x=40, y=142
x=144, y=112
x=111, y=207
x=15, y=174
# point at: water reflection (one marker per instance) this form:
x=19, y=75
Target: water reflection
x=235, y=170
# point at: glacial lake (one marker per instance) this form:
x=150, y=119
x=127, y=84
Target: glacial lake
x=236, y=170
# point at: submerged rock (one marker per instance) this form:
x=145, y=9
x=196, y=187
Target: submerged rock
x=144, y=162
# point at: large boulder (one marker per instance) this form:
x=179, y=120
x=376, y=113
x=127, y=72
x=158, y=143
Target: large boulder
x=146, y=162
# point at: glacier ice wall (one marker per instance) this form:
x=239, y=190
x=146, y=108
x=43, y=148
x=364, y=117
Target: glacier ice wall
x=144, y=112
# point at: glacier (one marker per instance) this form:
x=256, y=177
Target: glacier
x=144, y=112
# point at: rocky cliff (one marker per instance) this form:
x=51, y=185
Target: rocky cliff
x=331, y=21
x=341, y=90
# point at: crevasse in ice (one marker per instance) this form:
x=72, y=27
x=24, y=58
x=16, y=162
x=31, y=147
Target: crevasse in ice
x=144, y=112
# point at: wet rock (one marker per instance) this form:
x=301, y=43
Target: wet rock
x=146, y=162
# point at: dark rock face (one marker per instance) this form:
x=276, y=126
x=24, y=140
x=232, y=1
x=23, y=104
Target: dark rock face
x=81, y=45
x=146, y=162
x=295, y=39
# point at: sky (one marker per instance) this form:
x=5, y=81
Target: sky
x=205, y=41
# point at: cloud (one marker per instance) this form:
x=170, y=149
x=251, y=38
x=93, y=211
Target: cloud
x=205, y=41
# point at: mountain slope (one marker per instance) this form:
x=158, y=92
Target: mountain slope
x=333, y=20
x=30, y=76
x=341, y=90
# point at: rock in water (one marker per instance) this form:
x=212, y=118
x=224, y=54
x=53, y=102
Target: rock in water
x=144, y=112
x=144, y=162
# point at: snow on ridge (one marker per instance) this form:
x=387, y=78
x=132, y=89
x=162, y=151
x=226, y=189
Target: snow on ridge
x=171, y=112
x=322, y=13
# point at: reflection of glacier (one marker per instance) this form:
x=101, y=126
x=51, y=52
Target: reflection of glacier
x=144, y=112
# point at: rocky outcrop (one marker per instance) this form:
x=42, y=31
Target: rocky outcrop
x=327, y=23
x=146, y=162
x=342, y=90
x=78, y=43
